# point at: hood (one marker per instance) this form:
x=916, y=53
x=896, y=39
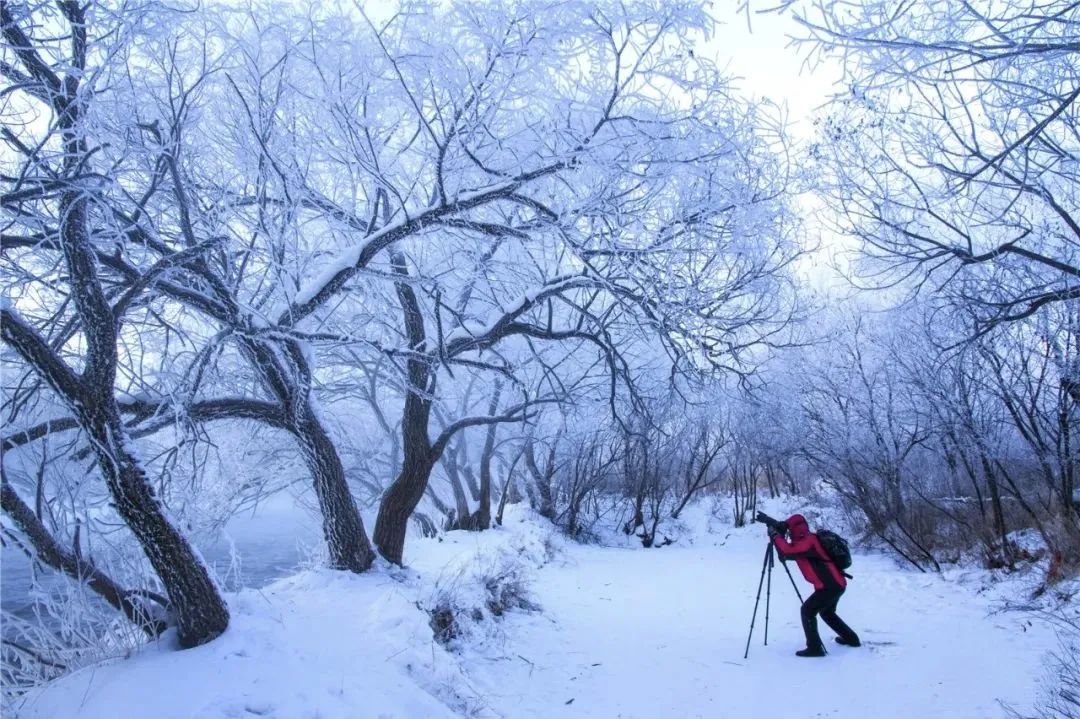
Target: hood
x=797, y=526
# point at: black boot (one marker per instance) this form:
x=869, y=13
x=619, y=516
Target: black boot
x=818, y=651
x=849, y=641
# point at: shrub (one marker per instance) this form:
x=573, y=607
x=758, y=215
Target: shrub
x=477, y=593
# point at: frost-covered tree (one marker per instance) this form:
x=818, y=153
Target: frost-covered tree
x=953, y=157
x=170, y=249
x=521, y=174
x=217, y=218
x=66, y=320
x=950, y=157
x=934, y=441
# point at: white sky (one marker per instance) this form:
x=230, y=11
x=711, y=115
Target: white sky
x=767, y=67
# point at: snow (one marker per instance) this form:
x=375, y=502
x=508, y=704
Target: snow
x=1029, y=541
x=661, y=633
x=318, y=644
x=606, y=632
x=347, y=259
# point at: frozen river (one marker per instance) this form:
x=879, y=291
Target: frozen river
x=269, y=544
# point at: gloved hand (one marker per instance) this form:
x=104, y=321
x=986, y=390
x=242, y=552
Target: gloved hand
x=773, y=531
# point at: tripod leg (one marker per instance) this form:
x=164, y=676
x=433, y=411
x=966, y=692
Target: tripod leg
x=757, y=599
x=768, y=590
x=793, y=585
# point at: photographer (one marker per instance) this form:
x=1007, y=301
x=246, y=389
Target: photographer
x=819, y=569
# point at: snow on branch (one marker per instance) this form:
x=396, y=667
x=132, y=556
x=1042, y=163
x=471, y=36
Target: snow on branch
x=340, y=270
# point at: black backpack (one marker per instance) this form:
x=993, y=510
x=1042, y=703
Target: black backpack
x=836, y=547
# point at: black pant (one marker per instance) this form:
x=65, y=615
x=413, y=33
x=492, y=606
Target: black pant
x=823, y=602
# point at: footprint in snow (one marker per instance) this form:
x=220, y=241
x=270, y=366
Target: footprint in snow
x=878, y=647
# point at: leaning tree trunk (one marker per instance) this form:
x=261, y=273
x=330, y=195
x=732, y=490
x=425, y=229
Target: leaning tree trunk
x=343, y=528
x=200, y=611
x=286, y=374
x=201, y=614
x=131, y=603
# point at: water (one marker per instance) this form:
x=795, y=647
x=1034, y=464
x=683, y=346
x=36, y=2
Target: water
x=269, y=544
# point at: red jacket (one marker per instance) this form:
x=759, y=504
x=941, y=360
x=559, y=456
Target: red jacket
x=805, y=548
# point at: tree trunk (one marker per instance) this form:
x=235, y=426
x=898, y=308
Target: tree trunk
x=637, y=518
x=546, y=504
x=481, y=519
x=405, y=493
x=508, y=492
x=954, y=471
x=770, y=479
x=47, y=550
x=998, y=510
x=793, y=487
x=1065, y=452
x=483, y=512
x=419, y=456
x=343, y=529
x=285, y=373
x=467, y=473
x=461, y=503
x=201, y=614
x=740, y=511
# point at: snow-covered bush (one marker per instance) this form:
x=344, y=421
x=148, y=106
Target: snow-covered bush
x=1060, y=695
x=466, y=601
x=474, y=590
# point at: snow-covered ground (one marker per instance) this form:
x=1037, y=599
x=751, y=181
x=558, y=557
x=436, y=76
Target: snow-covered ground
x=622, y=632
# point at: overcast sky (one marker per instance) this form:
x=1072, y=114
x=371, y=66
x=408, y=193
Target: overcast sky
x=760, y=56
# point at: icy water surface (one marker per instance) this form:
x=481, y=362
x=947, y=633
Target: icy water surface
x=268, y=544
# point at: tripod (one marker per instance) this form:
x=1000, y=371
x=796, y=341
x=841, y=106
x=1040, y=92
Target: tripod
x=767, y=565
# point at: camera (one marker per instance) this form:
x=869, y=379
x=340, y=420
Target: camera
x=775, y=524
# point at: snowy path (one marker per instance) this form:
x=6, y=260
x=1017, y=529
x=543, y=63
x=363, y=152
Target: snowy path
x=661, y=634
x=650, y=634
